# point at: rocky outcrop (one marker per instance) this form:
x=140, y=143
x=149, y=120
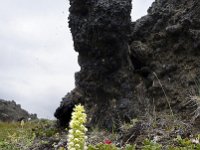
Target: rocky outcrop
x=104, y=85
x=166, y=42
x=10, y=111
x=123, y=74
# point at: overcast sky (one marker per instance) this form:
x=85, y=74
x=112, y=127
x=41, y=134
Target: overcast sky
x=37, y=60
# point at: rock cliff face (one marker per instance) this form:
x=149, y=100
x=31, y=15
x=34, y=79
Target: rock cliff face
x=10, y=111
x=128, y=67
x=166, y=42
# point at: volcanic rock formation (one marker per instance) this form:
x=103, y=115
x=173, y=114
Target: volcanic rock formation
x=128, y=67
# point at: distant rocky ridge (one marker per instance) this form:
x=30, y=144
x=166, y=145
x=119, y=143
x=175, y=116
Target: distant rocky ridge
x=10, y=111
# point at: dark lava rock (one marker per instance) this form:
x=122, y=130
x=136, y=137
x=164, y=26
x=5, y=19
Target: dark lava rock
x=100, y=32
x=10, y=111
x=171, y=33
x=65, y=115
x=128, y=67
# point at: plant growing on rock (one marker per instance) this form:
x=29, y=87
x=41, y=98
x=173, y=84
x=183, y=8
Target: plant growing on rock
x=76, y=136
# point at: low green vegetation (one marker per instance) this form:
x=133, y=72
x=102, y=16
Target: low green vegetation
x=14, y=136
x=21, y=135
x=42, y=134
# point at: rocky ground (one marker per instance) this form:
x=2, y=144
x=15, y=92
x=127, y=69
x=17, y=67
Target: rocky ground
x=157, y=132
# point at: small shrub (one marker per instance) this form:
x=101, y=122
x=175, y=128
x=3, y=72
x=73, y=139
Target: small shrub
x=129, y=147
x=102, y=146
x=151, y=145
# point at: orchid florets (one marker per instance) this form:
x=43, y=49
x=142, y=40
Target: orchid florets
x=77, y=133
